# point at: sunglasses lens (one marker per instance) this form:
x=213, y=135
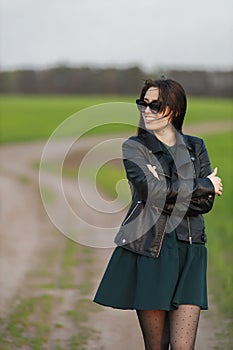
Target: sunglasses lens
x=141, y=105
x=154, y=107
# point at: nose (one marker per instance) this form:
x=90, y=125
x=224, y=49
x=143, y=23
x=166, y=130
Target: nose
x=147, y=109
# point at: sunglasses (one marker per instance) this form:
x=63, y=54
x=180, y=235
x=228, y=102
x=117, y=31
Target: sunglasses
x=154, y=105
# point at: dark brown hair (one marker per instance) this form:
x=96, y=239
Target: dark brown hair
x=172, y=95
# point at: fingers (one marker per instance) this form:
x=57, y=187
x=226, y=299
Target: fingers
x=219, y=186
x=220, y=189
x=217, y=182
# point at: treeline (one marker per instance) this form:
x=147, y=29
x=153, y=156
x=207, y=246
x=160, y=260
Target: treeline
x=86, y=80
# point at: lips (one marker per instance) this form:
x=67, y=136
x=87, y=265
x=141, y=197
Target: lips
x=150, y=119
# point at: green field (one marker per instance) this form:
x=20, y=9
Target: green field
x=219, y=224
x=36, y=117
x=25, y=118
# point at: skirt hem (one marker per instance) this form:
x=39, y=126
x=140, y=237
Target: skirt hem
x=164, y=308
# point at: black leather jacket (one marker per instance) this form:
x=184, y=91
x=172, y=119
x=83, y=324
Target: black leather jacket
x=176, y=199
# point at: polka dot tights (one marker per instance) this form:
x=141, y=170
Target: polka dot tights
x=176, y=328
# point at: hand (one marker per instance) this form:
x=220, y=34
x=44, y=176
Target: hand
x=216, y=181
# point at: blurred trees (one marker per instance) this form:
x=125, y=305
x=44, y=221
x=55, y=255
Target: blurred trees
x=86, y=80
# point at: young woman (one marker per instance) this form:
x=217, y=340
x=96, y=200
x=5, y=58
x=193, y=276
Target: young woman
x=159, y=265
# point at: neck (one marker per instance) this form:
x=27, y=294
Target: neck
x=166, y=135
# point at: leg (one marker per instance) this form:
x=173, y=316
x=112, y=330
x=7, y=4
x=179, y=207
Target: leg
x=155, y=329
x=183, y=327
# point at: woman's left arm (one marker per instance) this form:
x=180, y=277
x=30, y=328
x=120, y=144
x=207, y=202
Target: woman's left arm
x=199, y=204
x=202, y=204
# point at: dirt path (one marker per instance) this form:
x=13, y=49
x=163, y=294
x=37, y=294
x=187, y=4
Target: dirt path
x=25, y=236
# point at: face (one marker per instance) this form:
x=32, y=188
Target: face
x=153, y=121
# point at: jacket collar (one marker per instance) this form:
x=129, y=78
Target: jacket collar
x=155, y=146
x=182, y=154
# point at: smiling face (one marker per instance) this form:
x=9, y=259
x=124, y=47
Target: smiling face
x=154, y=121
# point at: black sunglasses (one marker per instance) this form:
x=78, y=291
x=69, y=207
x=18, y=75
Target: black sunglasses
x=154, y=105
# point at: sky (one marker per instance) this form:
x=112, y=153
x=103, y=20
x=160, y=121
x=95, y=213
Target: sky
x=150, y=33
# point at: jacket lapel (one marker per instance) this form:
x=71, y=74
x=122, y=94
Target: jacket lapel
x=182, y=162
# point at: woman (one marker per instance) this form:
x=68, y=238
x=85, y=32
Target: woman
x=159, y=265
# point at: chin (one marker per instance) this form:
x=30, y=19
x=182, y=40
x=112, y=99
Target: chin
x=152, y=127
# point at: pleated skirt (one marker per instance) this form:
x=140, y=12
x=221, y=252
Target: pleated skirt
x=137, y=282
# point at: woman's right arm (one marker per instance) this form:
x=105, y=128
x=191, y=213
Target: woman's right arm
x=157, y=191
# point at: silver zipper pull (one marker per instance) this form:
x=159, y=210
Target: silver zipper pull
x=189, y=229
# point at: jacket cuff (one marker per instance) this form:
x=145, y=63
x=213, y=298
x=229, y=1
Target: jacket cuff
x=204, y=186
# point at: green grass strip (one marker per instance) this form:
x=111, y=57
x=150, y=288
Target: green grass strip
x=31, y=316
x=219, y=224
x=25, y=118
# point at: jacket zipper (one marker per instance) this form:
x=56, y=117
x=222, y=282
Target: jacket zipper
x=189, y=230
x=194, y=169
x=128, y=217
x=163, y=174
x=161, y=241
x=188, y=220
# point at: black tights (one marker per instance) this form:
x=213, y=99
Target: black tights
x=176, y=328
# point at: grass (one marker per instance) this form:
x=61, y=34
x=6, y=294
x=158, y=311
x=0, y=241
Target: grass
x=28, y=325
x=80, y=317
x=35, y=117
x=118, y=185
x=219, y=227
x=26, y=118
x=219, y=224
x=30, y=322
x=209, y=110
x=24, y=179
x=48, y=195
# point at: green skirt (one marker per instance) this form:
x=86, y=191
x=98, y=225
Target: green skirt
x=177, y=276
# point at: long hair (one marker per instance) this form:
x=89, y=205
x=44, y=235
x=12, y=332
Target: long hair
x=172, y=95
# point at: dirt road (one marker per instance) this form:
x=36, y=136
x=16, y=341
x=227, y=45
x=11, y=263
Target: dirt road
x=25, y=236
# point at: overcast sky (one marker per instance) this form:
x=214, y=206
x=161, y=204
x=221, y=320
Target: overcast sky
x=149, y=33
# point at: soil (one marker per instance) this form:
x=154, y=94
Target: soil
x=23, y=240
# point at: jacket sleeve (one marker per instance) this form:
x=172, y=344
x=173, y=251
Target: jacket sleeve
x=202, y=204
x=159, y=192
